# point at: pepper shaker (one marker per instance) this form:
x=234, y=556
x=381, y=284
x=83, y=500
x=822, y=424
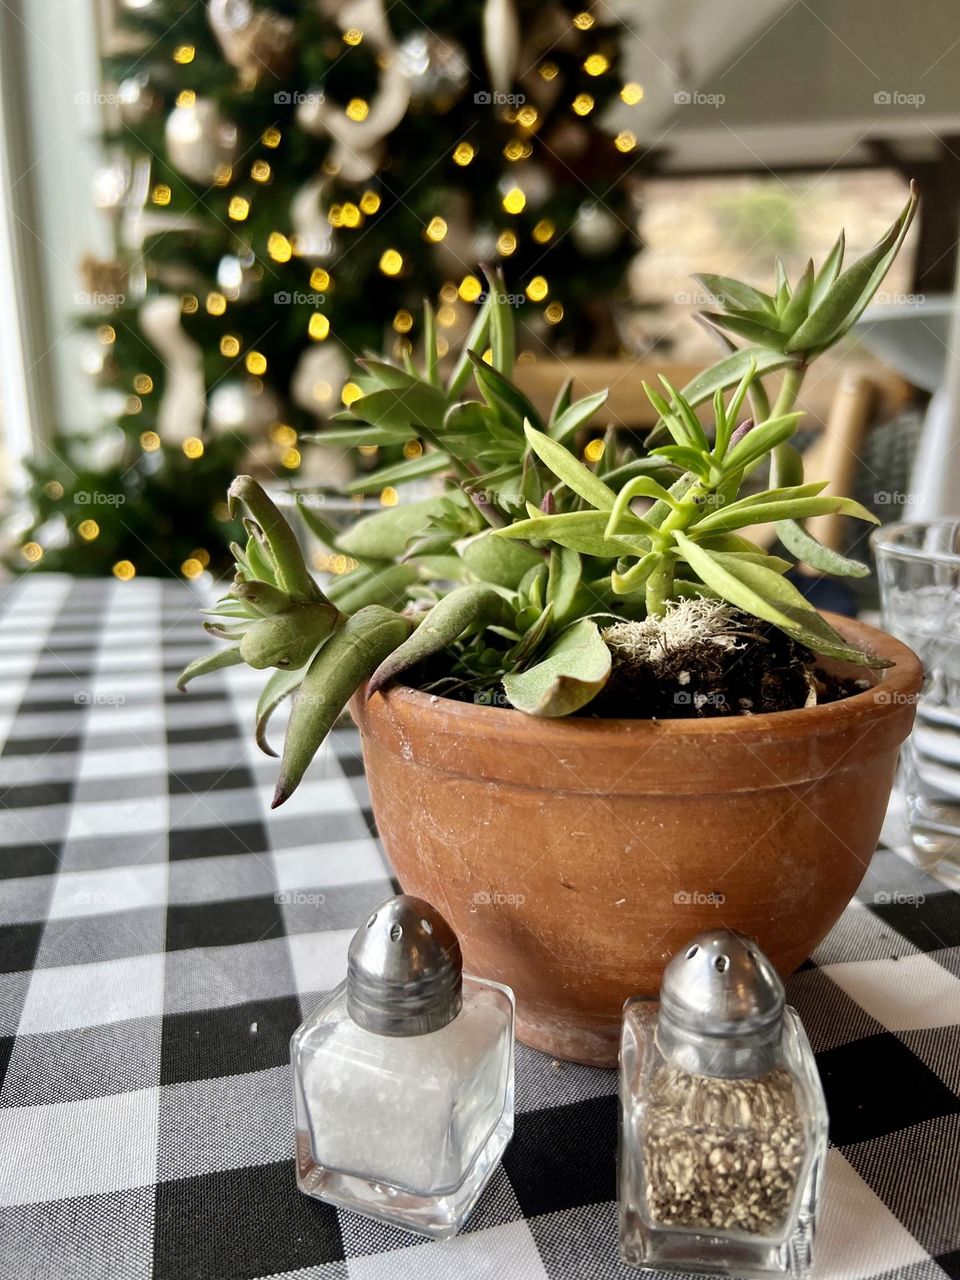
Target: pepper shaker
x=723, y=1124
x=403, y=1077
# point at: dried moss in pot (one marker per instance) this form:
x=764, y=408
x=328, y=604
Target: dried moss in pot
x=704, y=658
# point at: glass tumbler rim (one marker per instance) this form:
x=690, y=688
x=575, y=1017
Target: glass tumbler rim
x=888, y=541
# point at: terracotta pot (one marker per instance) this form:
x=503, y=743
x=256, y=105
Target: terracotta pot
x=573, y=857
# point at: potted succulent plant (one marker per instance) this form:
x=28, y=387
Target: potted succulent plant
x=597, y=718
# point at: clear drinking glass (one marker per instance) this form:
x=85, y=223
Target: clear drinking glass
x=919, y=571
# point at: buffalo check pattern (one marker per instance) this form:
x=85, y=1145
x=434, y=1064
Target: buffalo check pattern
x=162, y=934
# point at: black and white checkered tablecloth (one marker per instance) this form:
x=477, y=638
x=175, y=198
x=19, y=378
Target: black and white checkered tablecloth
x=163, y=933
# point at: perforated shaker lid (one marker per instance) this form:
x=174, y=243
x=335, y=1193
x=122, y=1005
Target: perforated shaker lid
x=721, y=1007
x=404, y=970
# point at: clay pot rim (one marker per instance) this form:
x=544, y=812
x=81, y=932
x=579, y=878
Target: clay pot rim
x=896, y=686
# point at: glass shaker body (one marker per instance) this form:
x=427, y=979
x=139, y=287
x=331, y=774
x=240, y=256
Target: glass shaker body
x=718, y=1175
x=407, y=1129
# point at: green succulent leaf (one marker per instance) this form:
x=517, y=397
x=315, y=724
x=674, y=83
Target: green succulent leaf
x=575, y=669
x=402, y=409
x=796, y=309
x=349, y=657
x=475, y=340
x=761, y=334
x=764, y=593
x=387, y=585
x=560, y=405
x=828, y=272
x=576, y=416
x=287, y=639
x=583, y=531
x=809, y=551
x=760, y=440
x=735, y=295
x=279, y=686
x=467, y=609
x=497, y=560
x=209, y=662
x=352, y=437
x=850, y=294
x=428, y=464
x=563, y=582
x=570, y=470
x=385, y=534
x=501, y=394
x=739, y=516
x=501, y=325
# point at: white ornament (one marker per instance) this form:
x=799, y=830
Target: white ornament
x=319, y=374
x=199, y=142
x=255, y=41
x=111, y=182
x=595, y=230
x=182, y=406
x=437, y=69
x=311, y=229
x=357, y=143
x=242, y=406
x=501, y=43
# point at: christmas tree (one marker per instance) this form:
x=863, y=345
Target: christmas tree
x=287, y=185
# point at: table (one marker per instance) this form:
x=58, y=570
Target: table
x=163, y=933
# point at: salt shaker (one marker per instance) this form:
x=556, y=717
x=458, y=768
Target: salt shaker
x=723, y=1124
x=403, y=1077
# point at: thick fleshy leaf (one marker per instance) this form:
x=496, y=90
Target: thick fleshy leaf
x=428, y=464
x=765, y=594
x=280, y=685
x=385, y=534
x=407, y=407
x=387, y=375
x=829, y=270
x=739, y=516
x=352, y=437
x=809, y=551
x=475, y=340
x=561, y=404
x=210, y=662
x=583, y=531
x=570, y=470
x=348, y=658
x=430, y=352
x=263, y=598
x=276, y=539
x=386, y=585
x=502, y=395
x=501, y=325
x=497, y=560
x=287, y=639
x=468, y=608
x=563, y=581
x=796, y=309
x=576, y=668
x=636, y=576
x=759, y=440
x=763, y=335
x=735, y=294
x=850, y=294
x=576, y=415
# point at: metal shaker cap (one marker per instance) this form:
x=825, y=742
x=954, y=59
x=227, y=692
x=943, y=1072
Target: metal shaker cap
x=404, y=970
x=721, y=1007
